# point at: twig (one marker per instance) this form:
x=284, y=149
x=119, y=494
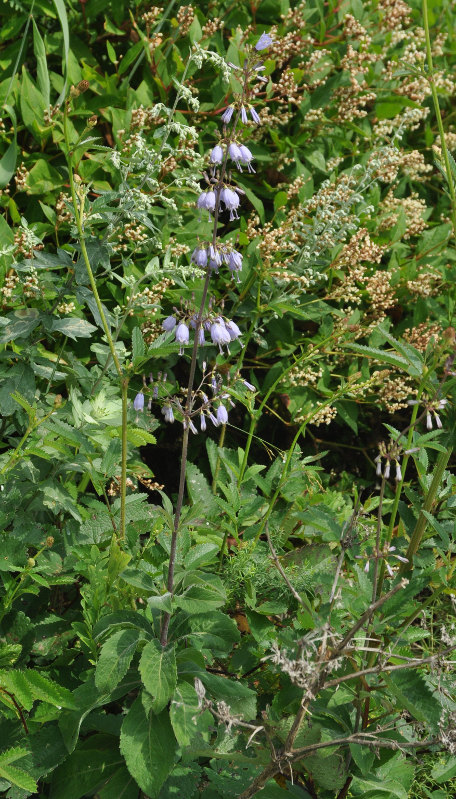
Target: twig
x=279, y=567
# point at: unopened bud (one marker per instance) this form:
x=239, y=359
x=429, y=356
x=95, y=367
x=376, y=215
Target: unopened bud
x=49, y=541
x=83, y=85
x=31, y=562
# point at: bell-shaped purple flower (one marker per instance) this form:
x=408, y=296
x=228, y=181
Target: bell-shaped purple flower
x=246, y=157
x=199, y=256
x=227, y=114
x=201, y=339
x=182, y=336
x=219, y=334
x=216, y=155
x=263, y=42
x=169, y=324
x=138, y=403
x=235, y=154
x=254, y=115
x=222, y=414
x=233, y=330
x=235, y=261
x=231, y=200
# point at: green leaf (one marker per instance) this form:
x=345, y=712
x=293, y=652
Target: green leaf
x=444, y=771
x=214, y=631
x=62, y=15
x=184, y=713
x=115, y=658
x=148, y=745
x=88, y=768
x=240, y=698
x=73, y=327
x=158, y=672
x=137, y=343
x=42, y=74
x=30, y=685
x=43, y=178
x=380, y=355
x=9, y=158
x=17, y=777
x=412, y=693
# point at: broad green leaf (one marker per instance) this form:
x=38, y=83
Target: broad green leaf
x=148, y=745
x=61, y=12
x=30, y=685
x=115, y=658
x=158, y=672
x=240, y=698
x=73, y=327
x=9, y=158
x=184, y=712
x=410, y=689
x=42, y=74
x=214, y=631
x=88, y=768
x=138, y=346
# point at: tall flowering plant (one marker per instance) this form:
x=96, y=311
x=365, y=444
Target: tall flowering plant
x=220, y=195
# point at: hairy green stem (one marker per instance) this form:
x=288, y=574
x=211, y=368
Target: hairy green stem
x=79, y=217
x=438, y=115
x=420, y=527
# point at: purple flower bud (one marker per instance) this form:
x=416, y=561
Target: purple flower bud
x=222, y=414
x=199, y=256
x=366, y=568
x=438, y=420
x=254, y=115
x=235, y=154
x=249, y=385
x=244, y=115
x=227, y=114
x=246, y=157
x=398, y=471
x=263, y=42
x=216, y=155
x=192, y=426
x=169, y=324
x=387, y=470
x=138, y=403
x=213, y=419
x=428, y=421
x=167, y=412
x=233, y=330
x=201, y=339
x=203, y=422
x=378, y=470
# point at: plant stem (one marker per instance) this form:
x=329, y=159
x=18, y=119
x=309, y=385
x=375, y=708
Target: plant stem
x=417, y=535
x=438, y=115
x=79, y=217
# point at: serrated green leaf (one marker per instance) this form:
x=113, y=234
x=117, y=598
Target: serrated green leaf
x=18, y=777
x=115, y=658
x=139, y=437
x=148, y=745
x=159, y=673
x=30, y=685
